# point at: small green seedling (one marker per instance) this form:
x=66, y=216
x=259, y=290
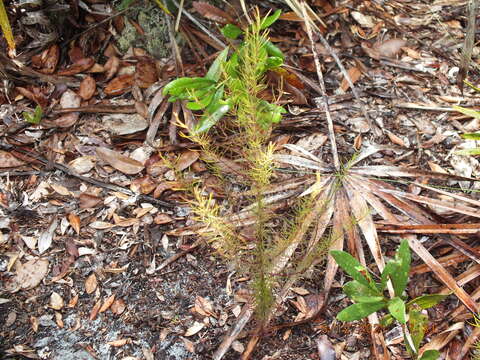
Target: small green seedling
x=34, y=118
x=369, y=297
x=213, y=93
x=476, y=115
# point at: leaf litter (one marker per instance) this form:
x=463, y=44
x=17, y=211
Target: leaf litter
x=97, y=244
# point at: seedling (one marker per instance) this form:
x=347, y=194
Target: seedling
x=35, y=117
x=215, y=94
x=369, y=297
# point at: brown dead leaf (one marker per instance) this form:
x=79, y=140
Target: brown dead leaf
x=7, y=160
x=71, y=248
x=389, y=48
x=203, y=306
x=87, y=88
x=82, y=164
x=69, y=99
x=118, y=307
x=73, y=301
x=30, y=274
x=94, y=312
x=145, y=73
x=162, y=218
x=120, y=162
x=74, y=221
x=88, y=201
x=56, y=301
x=46, y=62
x=35, y=323
x=78, y=67
x=119, y=85
x=144, y=185
x=91, y=283
x=194, y=329
x=354, y=73
x=189, y=345
x=107, y=303
x=119, y=342
x=59, y=319
x=395, y=139
x=186, y=159
x=213, y=13
x=111, y=67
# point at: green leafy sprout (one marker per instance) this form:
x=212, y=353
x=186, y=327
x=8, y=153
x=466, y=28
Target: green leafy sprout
x=368, y=297
x=214, y=94
x=35, y=117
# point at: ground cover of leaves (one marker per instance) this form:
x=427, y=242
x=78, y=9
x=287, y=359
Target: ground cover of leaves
x=92, y=211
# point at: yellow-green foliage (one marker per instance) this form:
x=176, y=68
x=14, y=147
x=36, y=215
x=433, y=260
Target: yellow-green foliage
x=6, y=28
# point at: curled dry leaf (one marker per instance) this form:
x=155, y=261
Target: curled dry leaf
x=111, y=67
x=91, y=283
x=119, y=85
x=87, y=88
x=95, y=309
x=82, y=164
x=119, y=342
x=162, y=218
x=30, y=274
x=107, y=303
x=75, y=223
x=118, y=307
x=69, y=99
x=145, y=73
x=46, y=62
x=78, y=67
x=354, y=73
x=390, y=48
x=46, y=237
x=118, y=161
x=56, y=301
x=7, y=160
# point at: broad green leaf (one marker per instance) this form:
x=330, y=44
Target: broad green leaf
x=216, y=68
x=231, y=31
x=6, y=28
x=396, y=307
x=358, y=292
x=269, y=114
x=471, y=136
x=269, y=20
x=351, y=266
x=181, y=85
x=273, y=62
x=430, y=355
x=272, y=50
x=468, y=112
x=427, y=301
x=359, y=311
x=400, y=277
x=210, y=119
x=475, y=151
x=417, y=324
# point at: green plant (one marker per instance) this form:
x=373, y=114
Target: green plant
x=6, y=28
x=369, y=297
x=35, y=117
x=472, y=113
x=217, y=93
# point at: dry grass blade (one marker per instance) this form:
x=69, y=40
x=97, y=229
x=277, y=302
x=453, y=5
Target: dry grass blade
x=429, y=229
x=443, y=274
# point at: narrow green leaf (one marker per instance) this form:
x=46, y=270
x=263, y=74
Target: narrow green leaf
x=216, y=99
x=427, y=301
x=6, y=28
x=359, y=311
x=396, y=307
x=181, y=85
x=358, y=292
x=231, y=31
x=350, y=265
x=269, y=20
x=389, y=268
x=469, y=112
x=471, y=136
x=471, y=85
x=400, y=277
x=216, y=68
x=387, y=320
x=430, y=355
x=475, y=151
x=208, y=120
